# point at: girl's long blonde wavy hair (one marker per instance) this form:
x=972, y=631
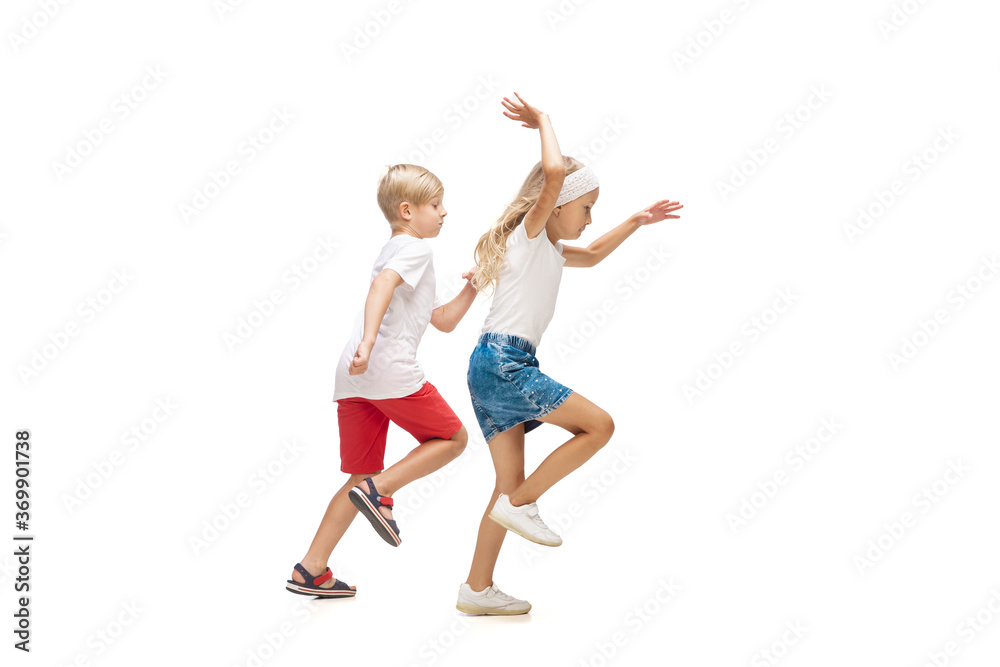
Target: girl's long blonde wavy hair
x=492, y=245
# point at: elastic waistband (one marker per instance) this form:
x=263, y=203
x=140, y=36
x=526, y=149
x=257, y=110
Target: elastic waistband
x=508, y=339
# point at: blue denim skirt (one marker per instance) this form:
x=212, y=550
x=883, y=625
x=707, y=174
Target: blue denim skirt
x=506, y=386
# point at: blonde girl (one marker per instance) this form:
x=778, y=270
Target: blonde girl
x=521, y=259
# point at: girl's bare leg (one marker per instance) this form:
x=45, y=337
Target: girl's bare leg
x=507, y=450
x=592, y=428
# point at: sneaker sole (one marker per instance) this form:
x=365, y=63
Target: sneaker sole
x=502, y=520
x=370, y=512
x=476, y=610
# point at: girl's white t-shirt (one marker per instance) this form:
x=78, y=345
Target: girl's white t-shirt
x=393, y=371
x=527, y=285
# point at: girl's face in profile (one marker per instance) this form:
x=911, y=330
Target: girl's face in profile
x=569, y=220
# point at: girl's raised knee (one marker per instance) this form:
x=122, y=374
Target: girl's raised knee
x=604, y=426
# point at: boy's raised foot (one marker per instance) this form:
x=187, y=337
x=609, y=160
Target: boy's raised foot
x=377, y=509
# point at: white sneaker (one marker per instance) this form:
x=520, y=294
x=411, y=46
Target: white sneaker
x=524, y=521
x=491, y=601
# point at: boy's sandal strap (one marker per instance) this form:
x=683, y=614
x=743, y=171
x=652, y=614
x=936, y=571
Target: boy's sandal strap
x=304, y=572
x=372, y=491
x=311, y=580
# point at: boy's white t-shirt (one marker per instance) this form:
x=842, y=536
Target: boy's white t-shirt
x=527, y=285
x=393, y=371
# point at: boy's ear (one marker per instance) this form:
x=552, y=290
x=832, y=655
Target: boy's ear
x=404, y=210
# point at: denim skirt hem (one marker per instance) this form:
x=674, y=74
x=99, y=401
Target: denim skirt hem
x=506, y=386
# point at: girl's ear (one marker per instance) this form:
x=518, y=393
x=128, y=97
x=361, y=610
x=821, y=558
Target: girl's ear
x=556, y=210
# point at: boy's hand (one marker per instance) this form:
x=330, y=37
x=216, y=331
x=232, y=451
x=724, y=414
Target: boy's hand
x=529, y=116
x=658, y=212
x=470, y=276
x=359, y=364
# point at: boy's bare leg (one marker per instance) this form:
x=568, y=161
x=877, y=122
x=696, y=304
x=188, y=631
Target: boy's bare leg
x=592, y=428
x=339, y=515
x=421, y=461
x=507, y=450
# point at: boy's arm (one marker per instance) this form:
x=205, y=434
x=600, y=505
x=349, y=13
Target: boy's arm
x=445, y=318
x=606, y=244
x=379, y=296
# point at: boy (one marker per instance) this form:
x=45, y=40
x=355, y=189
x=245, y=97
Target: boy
x=378, y=378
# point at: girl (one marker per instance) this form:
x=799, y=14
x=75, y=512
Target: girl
x=522, y=257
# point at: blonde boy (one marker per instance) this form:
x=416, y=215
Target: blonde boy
x=379, y=380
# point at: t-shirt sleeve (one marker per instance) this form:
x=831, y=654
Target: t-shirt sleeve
x=410, y=263
x=520, y=235
x=437, y=302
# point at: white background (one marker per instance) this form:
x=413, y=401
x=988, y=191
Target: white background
x=655, y=127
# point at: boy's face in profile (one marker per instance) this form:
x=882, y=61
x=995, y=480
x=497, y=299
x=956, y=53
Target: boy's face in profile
x=427, y=219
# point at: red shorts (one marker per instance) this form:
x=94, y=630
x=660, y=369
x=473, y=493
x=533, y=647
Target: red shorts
x=364, y=424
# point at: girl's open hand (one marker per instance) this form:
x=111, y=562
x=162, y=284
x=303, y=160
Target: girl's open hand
x=528, y=115
x=658, y=212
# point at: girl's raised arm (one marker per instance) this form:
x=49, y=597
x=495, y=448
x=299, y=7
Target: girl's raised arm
x=552, y=163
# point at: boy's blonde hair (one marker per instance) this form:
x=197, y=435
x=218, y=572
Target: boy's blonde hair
x=492, y=246
x=405, y=182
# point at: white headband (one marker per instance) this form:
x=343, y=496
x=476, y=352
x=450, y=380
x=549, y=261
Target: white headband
x=577, y=184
